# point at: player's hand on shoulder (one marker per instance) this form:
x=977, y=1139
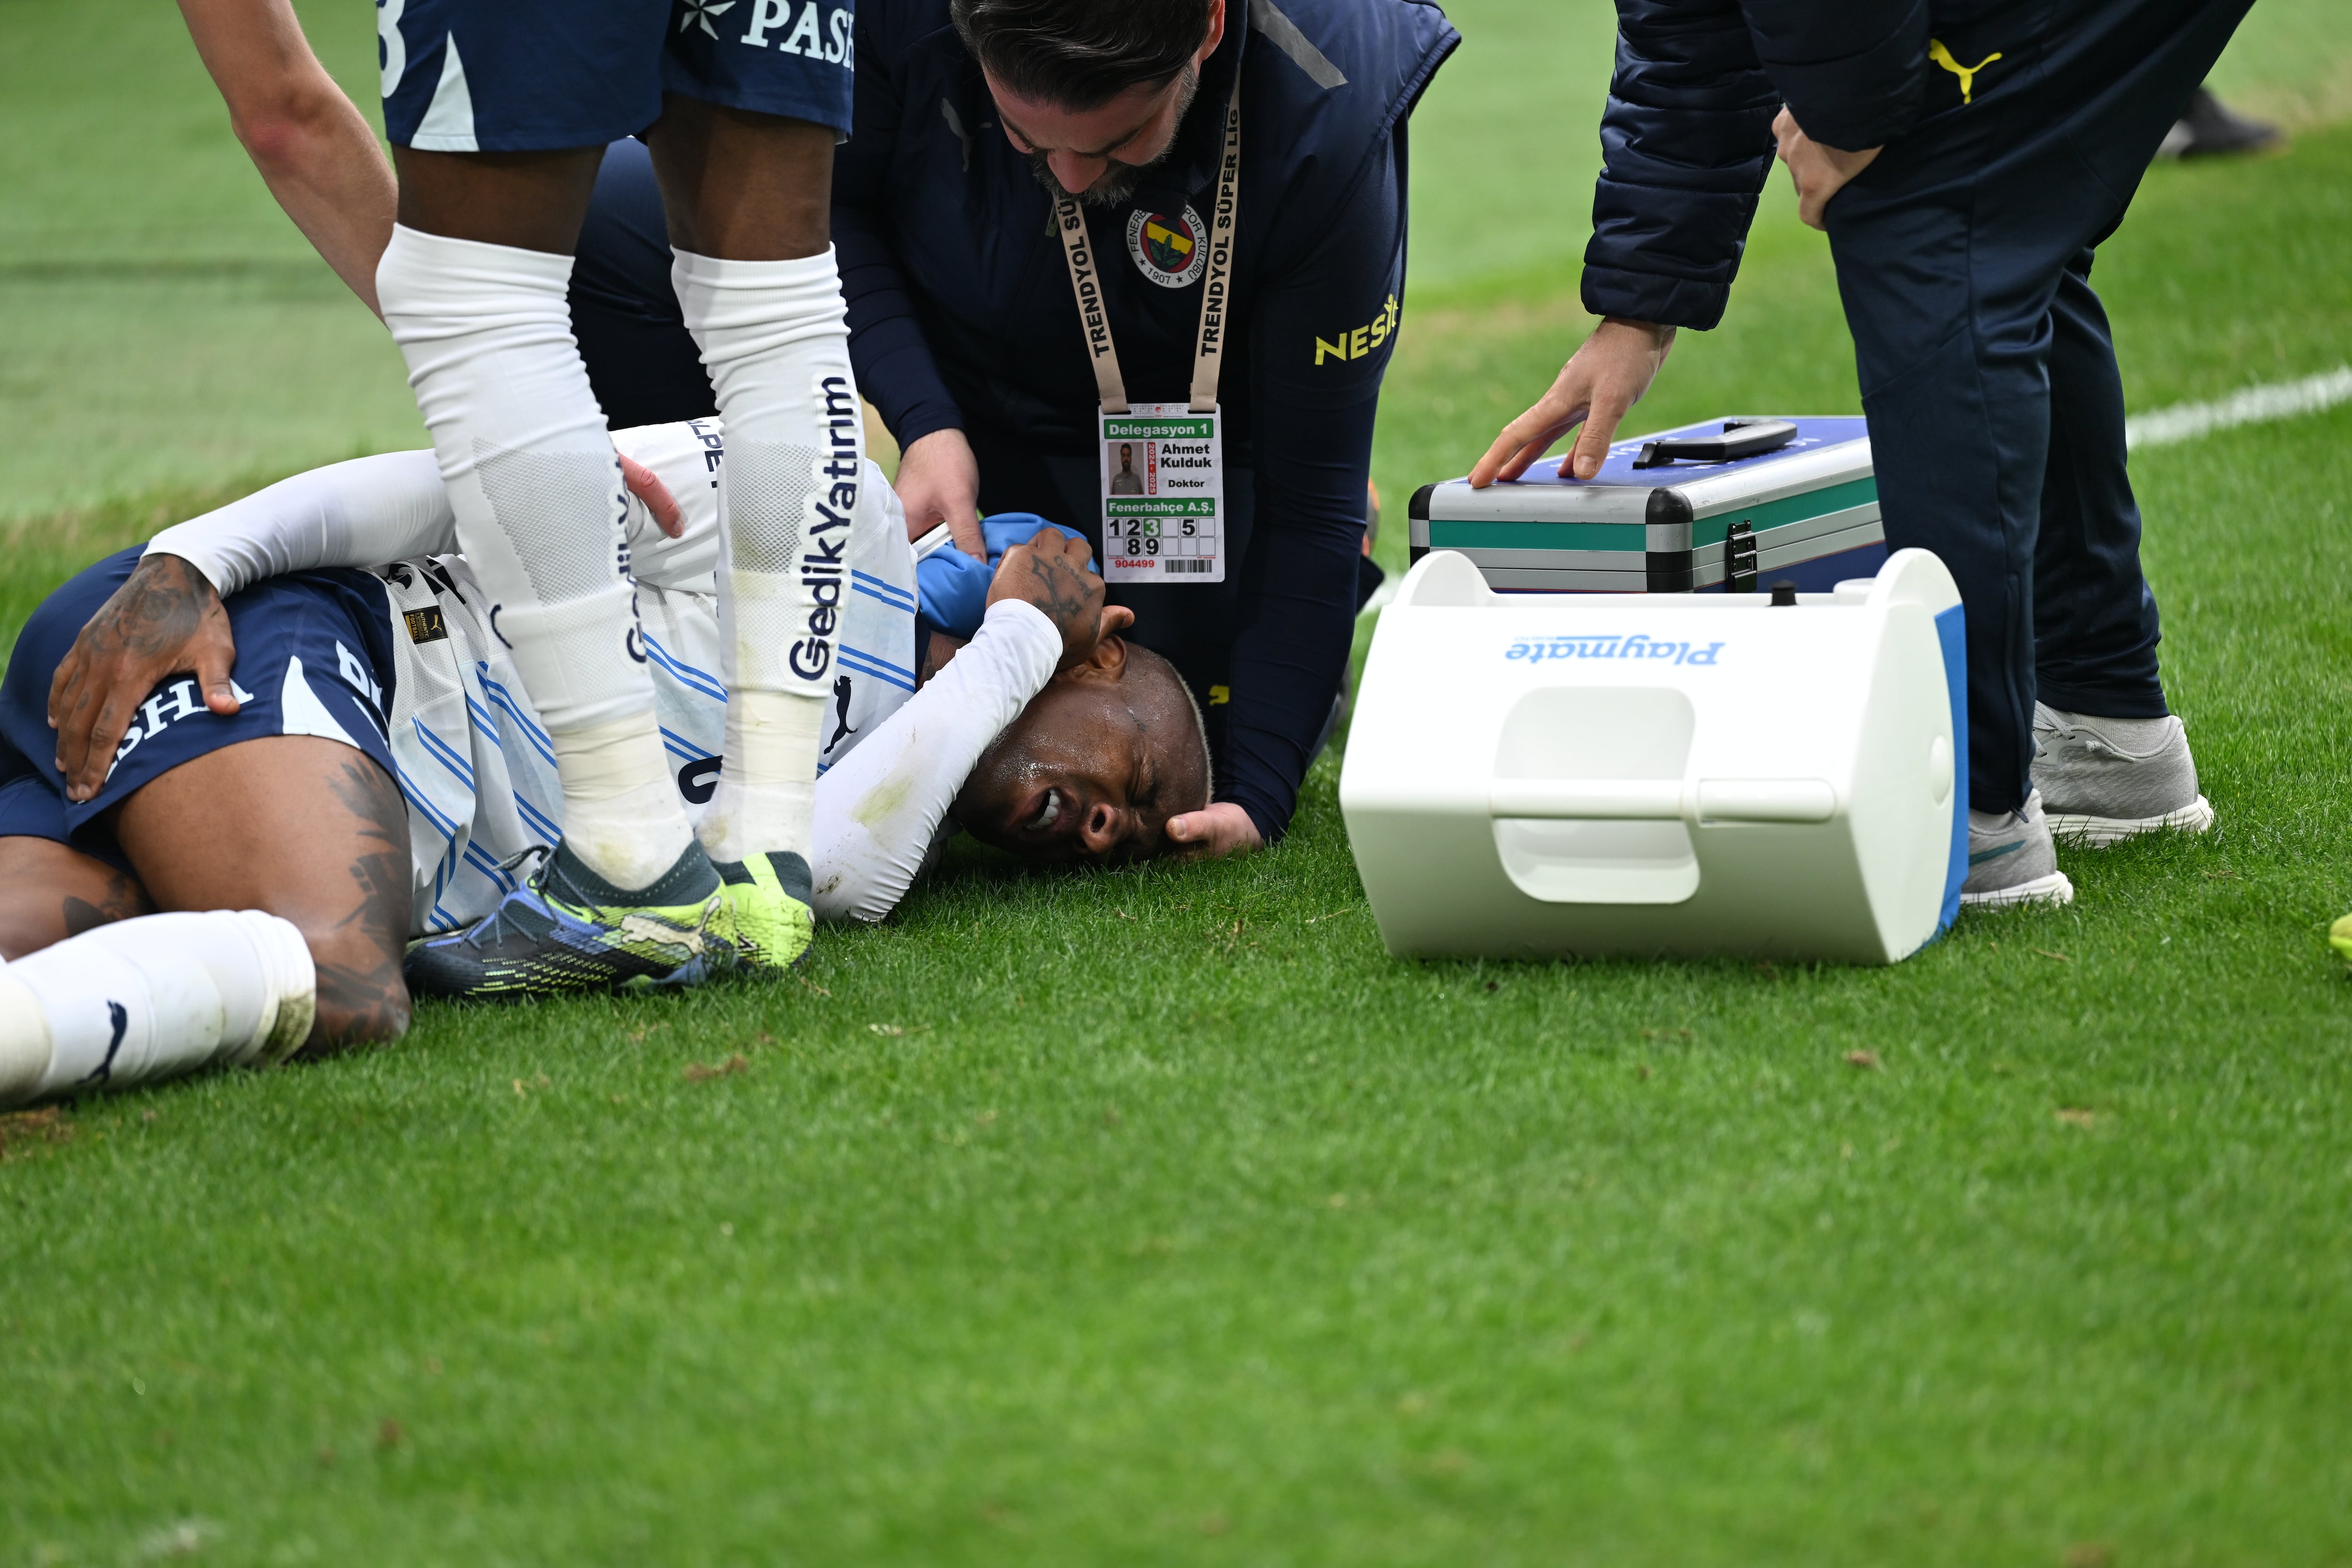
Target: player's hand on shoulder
x=1051, y=573
x=164, y=620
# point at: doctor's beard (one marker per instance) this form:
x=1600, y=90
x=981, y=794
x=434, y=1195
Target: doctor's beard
x=1118, y=181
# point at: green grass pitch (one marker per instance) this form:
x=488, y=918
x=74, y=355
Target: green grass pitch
x=1159, y=1216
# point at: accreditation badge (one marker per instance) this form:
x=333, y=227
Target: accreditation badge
x=1163, y=489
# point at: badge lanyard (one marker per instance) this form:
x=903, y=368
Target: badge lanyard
x=1163, y=487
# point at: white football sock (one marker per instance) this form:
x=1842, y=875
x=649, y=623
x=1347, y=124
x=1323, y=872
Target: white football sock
x=775, y=338
x=536, y=488
x=766, y=797
x=620, y=767
x=155, y=998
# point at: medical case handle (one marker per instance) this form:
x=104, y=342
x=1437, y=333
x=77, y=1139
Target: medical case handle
x=1740, y=438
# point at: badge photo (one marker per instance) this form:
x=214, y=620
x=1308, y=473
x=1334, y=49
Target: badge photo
x=1169, y=249
x=1127, y=463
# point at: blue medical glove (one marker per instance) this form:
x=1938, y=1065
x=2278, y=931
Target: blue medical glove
x=952, y=589
x=1007, y=529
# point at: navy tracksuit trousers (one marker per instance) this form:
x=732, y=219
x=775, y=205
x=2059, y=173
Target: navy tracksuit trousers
x=1988, y=372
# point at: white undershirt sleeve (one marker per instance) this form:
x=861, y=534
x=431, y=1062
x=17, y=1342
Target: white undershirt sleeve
x=879, y=809
x=360, y=513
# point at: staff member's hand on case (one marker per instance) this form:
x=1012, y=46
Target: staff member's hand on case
x=938, y=481
x=164, y=620
x=1818, y=172
x=1600, y=381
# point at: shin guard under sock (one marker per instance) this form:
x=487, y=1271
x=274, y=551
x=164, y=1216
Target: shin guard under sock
x=541, y=511
x=153, y=997
x=775, y=338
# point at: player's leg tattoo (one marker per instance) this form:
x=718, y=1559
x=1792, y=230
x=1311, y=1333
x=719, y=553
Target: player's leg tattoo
x=122, y=899
x=304, y=829
x=49, y=893
x=361, y=995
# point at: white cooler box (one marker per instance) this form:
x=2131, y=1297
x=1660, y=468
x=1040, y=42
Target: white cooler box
x=1538, y=776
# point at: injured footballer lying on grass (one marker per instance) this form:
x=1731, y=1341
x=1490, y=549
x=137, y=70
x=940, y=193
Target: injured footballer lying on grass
x=333, y=756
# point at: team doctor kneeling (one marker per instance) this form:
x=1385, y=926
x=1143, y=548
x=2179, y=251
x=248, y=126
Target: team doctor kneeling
x=353, y=763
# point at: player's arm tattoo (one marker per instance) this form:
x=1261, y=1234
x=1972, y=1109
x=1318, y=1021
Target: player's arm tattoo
x=164, y=619
x=360, y=994
x=1054, y=580
x=1060, y=588
x=156, y=611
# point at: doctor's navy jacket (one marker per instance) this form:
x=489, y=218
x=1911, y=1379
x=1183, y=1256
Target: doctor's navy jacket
x=962, y=315
x=1687, y=138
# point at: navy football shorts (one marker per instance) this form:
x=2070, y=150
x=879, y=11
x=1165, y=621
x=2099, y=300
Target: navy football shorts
x=313, y=658
x=531, y=76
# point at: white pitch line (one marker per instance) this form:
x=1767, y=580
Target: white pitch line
x=2279, y=400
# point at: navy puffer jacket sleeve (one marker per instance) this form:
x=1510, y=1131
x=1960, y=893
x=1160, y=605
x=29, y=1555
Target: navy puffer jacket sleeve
x=1854, y=75
x=1687, y=138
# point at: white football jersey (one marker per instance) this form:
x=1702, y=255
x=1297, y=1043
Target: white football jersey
x=477, y=768
x=470, y=756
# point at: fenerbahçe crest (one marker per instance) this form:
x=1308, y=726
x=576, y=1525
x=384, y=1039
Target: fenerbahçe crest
x=1169, y=250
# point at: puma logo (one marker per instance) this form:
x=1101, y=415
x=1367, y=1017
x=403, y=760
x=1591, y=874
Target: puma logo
x=841, y=695
x=120, y=1018
x=1967, y=74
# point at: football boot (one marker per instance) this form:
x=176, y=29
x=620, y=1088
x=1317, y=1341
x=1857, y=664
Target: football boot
x=766, y=911
x=568, y=929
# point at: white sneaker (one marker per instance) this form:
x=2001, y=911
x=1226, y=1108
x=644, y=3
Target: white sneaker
x=2011, y=859
x=2111, y=779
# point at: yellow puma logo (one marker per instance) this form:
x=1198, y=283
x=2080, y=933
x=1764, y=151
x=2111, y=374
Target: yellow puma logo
x=1967, y=74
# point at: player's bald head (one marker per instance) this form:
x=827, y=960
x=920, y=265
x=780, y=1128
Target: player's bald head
x=1174, y=730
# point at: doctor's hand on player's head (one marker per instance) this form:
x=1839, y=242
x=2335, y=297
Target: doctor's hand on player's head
x=1818, y=172
x=1215, y=832
x=1600, y=381
x=1051, y=573
x=938, y=481
x=646, y=485
x=164, y=620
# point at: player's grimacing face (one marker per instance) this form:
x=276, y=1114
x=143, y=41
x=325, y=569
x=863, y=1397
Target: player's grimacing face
x=1074, y=780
